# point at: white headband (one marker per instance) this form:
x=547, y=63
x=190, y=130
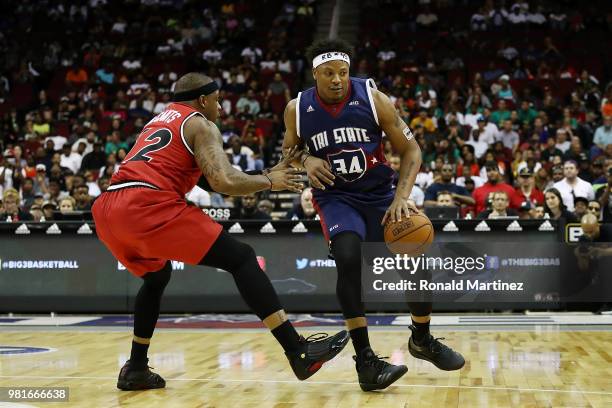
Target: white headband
x=330, y=56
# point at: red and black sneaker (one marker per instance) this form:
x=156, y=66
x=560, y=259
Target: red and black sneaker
x=131, y=378
x=314, y=351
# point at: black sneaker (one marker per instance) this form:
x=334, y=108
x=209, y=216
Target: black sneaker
x=131, y=379
x=374, y=373
x=432, y=350
x=314, y=351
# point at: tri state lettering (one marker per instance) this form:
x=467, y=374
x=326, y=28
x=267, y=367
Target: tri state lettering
x=340, y=135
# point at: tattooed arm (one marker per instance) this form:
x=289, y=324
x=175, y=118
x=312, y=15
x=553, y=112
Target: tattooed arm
x=403, y=143
x=207, y=144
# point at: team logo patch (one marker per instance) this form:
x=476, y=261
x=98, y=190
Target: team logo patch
x=349, y=165
x=23, y=350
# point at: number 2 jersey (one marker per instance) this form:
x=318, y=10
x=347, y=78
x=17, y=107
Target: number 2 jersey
x=161, y=156
x=349, y=138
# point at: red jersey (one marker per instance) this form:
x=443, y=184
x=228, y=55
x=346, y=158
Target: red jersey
x=481, y=193
x=536, y=198
x=161, y=156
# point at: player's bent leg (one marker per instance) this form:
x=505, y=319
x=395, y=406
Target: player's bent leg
x=135, y=374
x=374, y=373
x=306, y=356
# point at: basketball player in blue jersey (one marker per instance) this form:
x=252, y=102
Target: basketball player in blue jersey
x=340, y=124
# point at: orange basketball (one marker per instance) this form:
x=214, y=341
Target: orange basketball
x=411, y=236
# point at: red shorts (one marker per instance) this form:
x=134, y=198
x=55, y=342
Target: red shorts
x=145, y=228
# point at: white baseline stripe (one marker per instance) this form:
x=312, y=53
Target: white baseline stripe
x=475, y=387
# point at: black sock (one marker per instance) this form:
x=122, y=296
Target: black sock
x=359, y=337
x=138, y=356
x=286, y=335
x=421, y=332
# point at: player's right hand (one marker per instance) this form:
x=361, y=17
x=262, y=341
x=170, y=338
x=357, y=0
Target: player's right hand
x=319, y=172
x=286, y=179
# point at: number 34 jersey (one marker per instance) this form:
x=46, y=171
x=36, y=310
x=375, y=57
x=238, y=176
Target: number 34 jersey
x=161, y=156
x=349, y=138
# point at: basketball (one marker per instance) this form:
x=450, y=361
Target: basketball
x=411, y=236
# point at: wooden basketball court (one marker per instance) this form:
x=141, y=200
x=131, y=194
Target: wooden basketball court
x=539, y=366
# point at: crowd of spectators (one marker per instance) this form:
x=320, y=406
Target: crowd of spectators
x=509, y=101
x=73, y=97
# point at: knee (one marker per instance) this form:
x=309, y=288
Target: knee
x=159, y=280
x=242, y=254
x=346, y=249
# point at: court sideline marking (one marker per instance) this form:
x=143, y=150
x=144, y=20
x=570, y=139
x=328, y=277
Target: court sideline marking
x=475, y=387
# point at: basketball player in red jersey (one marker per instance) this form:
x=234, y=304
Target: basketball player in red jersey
x=144, y=221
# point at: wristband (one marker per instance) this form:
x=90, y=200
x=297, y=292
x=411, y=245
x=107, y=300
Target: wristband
x=304, y=160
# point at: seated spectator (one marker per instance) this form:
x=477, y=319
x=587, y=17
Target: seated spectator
x=266, y=207
x=494, y=183
x=555, y=208
x=604, y=197
x=76, y=76
x=303, y=209
x=444, y=199
x=508, y=136
x=94, y=160
x=594, y=207
x=212, y=55
x=478, y=22
x=573, y=186
x=248, y=101
x=114, y=143
x=105, y=75
x=67, y=205
x=69, y=159
x=426, y=18
x=459, y=194
x=581, y=206
x=278, y=87
x=424, y=120
x=500, y=204
x=10, y=210
x=602, y=137
x=82, y=198
x=527, y=191
x=26, y=192
x=526, y=114
x=240, y=155
x=501, y=114
x=36, y=212
x=249, y=211
x=48, y=208
x=562, y=140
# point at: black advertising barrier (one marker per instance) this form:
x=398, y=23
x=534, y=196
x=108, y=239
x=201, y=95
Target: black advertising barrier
x=63, y=267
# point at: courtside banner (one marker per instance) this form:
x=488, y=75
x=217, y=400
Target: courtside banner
x=487, y=272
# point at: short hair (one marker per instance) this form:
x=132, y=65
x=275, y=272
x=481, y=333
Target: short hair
x=328, y=45
x=191, y=81
x=443, y=192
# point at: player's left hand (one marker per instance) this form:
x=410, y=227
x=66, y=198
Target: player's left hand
x=398, y=209
x=285, y=163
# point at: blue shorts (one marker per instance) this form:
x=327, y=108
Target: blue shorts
x=343, y=212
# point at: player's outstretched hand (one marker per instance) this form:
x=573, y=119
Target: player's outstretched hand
x=286, y=179
x=285, y=163
x=319, y=172
x=398, y=209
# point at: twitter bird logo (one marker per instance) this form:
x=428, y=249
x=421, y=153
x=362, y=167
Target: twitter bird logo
x=301, y=263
